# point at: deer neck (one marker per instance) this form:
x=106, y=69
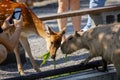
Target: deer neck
x=39, y=26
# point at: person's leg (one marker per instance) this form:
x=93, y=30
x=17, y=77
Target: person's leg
x=63, y=6
x=93, y=4
x=3, y=53
x=76, y=21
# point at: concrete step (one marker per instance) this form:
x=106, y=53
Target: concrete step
x=91, y=75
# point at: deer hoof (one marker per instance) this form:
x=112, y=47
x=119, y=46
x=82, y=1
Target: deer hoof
x=38, y=70
x=102, y=69
x=83, y=63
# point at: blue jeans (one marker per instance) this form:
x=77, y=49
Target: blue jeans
x=93, y=4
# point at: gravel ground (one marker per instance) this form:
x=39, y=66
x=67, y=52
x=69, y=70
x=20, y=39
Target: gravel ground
x=38, y=45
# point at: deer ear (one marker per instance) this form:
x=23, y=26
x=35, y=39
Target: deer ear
x=62, y=32
x=77, y=34
x=49, y=30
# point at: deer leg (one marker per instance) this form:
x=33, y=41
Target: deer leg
x=116, y=62
x=104, y=66
x=19, y=65
x=87, y=60
x=26, y=46
x=17, y=55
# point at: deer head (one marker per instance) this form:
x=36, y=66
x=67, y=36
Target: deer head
x=54, y=41
x=72, y=43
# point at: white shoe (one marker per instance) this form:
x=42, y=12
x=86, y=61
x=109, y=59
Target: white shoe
x=85, y=29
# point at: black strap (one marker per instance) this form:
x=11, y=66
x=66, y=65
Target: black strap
x=1, y=30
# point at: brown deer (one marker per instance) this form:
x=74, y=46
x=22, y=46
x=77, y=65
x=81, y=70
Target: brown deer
x=103, y=40
x=31, y=24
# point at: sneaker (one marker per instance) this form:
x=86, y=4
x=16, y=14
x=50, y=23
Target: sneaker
x=86, y=28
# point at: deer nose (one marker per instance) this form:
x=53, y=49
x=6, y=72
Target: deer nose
x=53, y=56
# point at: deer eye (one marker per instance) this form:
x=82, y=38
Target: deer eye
x=52, y=42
